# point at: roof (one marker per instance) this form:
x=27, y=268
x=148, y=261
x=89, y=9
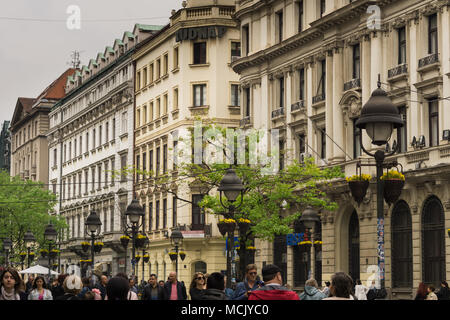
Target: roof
x=147, y=27
x=55, y=90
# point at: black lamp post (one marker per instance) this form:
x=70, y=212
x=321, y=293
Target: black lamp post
x=30, y=241
x=231, y=186
x=309, y=218
x=176, y=240
x=134, y=213
x=7, y=247
x=50, y=235
x=379, y=117
x=144, y=247
x=92, y=228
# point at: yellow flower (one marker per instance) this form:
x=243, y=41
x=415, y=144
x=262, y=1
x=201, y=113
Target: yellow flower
x=318, y=242
x=251, y=248
x=99, y=243
x=305, y=242
x=227, y=221
x=242, y=220
x=393, y=175
x=362, y=177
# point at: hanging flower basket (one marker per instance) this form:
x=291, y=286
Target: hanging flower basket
x=141, y=240
x=393, y=183
x=226, y=225
x=22, y=256
x=124, y=241
x=85, y=246
x=306, y=244
x=244, y=225
x=98, y=246
x=182, y=255
x=137, y=258
x=85, y=263
x=173, y=255
x=31, y=256
x=54, y=253
x=43, y=252
x=448, y=231
x=55, y=266
x=146, y=258
x=318, y=245
x=358, y=185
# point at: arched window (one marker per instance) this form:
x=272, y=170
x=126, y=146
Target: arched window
x=200, y=266
x=433, y=242
x=353, y=247
x=402, y=273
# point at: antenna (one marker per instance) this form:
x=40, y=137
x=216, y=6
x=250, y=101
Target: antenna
x=75, y=63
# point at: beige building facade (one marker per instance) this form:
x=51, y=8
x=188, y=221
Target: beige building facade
x=183, y=73
x=307, y=68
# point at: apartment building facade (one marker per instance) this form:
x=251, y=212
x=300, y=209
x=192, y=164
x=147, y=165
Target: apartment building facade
x=5, y=147
x=183, y=74
x=307, y=68
x=90, y=137
x=30, y=122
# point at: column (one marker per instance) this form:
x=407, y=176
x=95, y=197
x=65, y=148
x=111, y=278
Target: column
x=413, y=112
x=290, y=141
x=329, y=121
x=365, y=82
x=309, y=95
x=445, y=58
x=338, y=117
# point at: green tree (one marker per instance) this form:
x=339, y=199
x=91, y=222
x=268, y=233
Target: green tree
x=25, y=205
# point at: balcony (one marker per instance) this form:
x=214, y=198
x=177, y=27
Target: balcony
x=429, y=60
x=244, y=122
x=298, y=106
x=318, y=98
x=33, y=170
x=278, y=113
x=398, y=71
x=353, y=84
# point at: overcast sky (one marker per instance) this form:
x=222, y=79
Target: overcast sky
x=36, y=44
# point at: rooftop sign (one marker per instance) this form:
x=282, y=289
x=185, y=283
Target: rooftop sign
x=200, y=33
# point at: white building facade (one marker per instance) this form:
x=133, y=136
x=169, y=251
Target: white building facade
x=307, y=68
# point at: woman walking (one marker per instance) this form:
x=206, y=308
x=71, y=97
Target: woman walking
x=197, y=288
x=360, y=291
x=11, y=285
x=444, y=291
x=341, y=287
x=422, y=292
x=40, y=291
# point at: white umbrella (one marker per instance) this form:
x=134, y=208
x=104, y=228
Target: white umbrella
x=39, y=270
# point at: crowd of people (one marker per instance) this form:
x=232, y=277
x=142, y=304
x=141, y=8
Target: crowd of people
x=203, y=287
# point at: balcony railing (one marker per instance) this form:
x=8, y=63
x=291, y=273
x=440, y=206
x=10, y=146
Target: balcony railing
x=318, y=98
x=355, y=83
x=278, y=113
x=399, y=70
x=431, y=59
x=245, y=121
x=298, y=106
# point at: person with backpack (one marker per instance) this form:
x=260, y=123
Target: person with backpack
x=311, y=291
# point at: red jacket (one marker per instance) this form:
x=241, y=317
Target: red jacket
x=271, y=292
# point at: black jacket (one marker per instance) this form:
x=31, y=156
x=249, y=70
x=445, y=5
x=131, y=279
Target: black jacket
x=196, y=294
x=181, y=290
x=147, y=295
x=214, y=294
x=443, y=293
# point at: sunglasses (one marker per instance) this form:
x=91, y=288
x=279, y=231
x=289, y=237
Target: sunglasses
x=252, y=273
x=201, y=278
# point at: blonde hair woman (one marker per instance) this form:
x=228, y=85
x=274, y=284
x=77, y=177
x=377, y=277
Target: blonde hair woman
x=198, y=286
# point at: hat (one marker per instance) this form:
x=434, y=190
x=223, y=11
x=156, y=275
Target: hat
x=270, y=269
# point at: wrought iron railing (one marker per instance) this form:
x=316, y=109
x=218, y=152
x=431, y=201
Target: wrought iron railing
x=355, y=83
x=245, y=121
x=297, y=106
x=319, y=98
x=431, y=59
x=399, y=70
x=278, y=113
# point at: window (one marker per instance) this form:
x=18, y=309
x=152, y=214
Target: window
x=199, y=95
x=432, y=34
x=113, y=167
x=65, y=153
x=144, y=77
x=93, y=178
x=138, y=166
x=93, y=138
x=150, y=216
x=107, y=132
x=166, y=64
x=200, y=53
x=87, y=141
x=356, y=140
x=138, y=118
x=322, y=7
x=99, y=174
x=300, y=15
x=247, y=102
x=158, y=160
x=279, y=21
x=113, y=128
x=164, y=213
x=144, y=164
x=175, y=58
x=124, y=122
x=157, y=215
x=198, y=216
x=138, y=81
x=150, y=155
x=235, y=50
x=322, y=82
x=106, y=174
x=166, y=104
x=235, y=96
x=86, y=179
x=164, y=158
x=151, y=72
x=175, y=155
x=158, y=69
x=301, y=84
x=246, y=39
x=401, y=45
x=401, y=132
x=79, y=184
x=281, y=158
x=100, y=131
x=433, y=122
x=281, y=92
x=123, y=164
x=174, y=211
x=323, y=144
x=175, y=99
x=55, y=157
x=356, y=62
x=75, y=148
x=158, y=108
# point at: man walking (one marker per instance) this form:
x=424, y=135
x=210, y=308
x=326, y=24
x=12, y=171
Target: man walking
x=249, y=284
x=102, y=285
x=153, y=291
x=173, y=289
x=272, y=289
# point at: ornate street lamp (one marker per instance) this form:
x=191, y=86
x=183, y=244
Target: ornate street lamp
x=176, y=240
x=50, y=235
x=379, y=117
x=92, y=227
x=134, y=212
x=231, y=186
x=310, y=219
x=30, y=241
